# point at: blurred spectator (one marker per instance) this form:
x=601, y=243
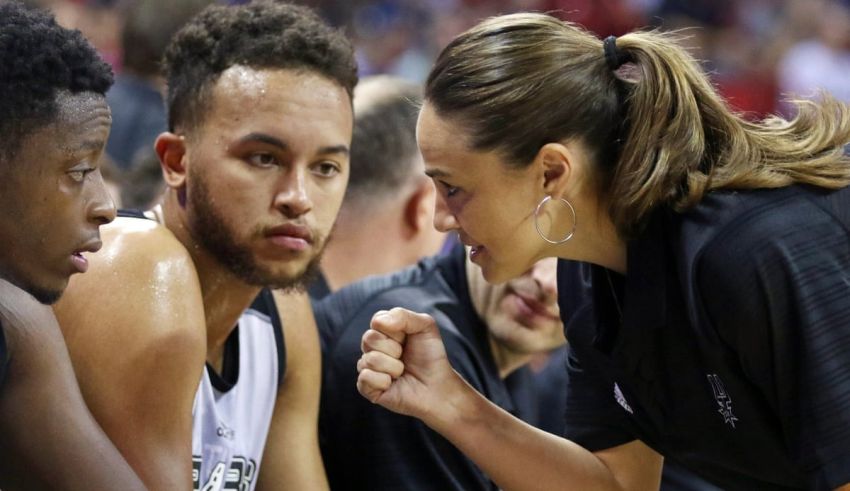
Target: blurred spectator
x=143, y=182
x=823, y=61
x=756, y=50
x=604, y=17
x=713, y=13
x=386, y=219
x=99, y=21
x=113, y=179
x=489, y=331
x=387, y=41
x=138, y=111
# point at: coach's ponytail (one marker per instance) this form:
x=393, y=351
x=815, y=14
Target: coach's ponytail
x=682, y=139
x=655, y=128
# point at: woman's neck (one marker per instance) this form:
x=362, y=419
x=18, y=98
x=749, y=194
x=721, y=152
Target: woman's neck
x=596, y=241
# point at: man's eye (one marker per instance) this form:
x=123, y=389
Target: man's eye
x=450, y=190
x=327, y=169
x=78, y=175
x=262, y=159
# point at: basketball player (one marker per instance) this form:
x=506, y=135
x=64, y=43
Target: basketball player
x=54, y=122
x=256, y=161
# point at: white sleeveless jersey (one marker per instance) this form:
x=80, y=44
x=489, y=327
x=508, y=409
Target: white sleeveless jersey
x=233, y=411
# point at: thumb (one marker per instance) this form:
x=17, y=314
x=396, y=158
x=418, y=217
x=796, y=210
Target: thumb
x=397, y=323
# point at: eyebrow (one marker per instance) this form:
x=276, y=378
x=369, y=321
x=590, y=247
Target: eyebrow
x=341, y=149
x=89, y=145
x=264, y=138
x=436, y=173
x=282, y=145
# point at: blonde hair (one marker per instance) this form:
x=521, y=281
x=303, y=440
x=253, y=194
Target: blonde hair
x=658, y=132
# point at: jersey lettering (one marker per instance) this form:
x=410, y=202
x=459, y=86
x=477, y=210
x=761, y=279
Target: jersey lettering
x=238, y=477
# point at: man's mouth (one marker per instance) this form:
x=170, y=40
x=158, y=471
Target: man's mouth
x=79, y=261
x=290, y=236
x=531, y=306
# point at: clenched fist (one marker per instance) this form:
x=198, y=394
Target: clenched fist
x=404, y=365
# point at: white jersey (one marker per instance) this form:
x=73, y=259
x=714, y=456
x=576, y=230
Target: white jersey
x=233, y=411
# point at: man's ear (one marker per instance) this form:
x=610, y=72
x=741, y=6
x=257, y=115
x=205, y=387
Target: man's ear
x=555, y=161
x=171, y=149
x=419, y=208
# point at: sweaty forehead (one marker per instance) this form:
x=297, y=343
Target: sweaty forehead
x=240, y=90
x=83, y=108
x=79, y=128
x=241, y=81
x=299, y=107
x=82, y=122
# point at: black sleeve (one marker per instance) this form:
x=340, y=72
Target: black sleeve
x=776, y=287
x=593, y=419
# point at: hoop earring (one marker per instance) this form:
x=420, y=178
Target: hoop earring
x=537, y=225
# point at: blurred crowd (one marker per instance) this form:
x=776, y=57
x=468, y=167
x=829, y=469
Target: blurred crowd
x=759, y=52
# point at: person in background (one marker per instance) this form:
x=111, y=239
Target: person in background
x=386, y=220
x=136, y=99
x=820, y=63
x=490, y=332
x=142, y=185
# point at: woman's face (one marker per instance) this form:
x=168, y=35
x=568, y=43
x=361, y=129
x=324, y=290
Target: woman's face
x=489, y=204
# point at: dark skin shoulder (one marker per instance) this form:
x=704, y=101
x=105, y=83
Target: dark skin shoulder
x=70, y=451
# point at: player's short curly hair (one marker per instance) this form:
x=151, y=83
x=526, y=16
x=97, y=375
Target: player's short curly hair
x=260, y=35
x=38, y=60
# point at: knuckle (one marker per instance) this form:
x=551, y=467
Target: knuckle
x=368, y=340
x=370, y=358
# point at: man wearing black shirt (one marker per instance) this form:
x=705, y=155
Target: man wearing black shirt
x=489, y=331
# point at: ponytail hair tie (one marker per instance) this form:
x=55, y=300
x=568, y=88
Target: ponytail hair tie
x=614, y=57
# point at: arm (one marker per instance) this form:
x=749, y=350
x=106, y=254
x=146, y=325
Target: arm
x=50, y=440
x=363, y=445
x=135, y=329
x=291, y=459
x=404, y=368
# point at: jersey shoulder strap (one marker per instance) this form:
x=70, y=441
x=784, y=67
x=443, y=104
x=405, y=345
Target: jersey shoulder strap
x=264, y=303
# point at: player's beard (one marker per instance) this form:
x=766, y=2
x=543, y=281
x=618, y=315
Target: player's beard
x=210, y=231
x=43, y=295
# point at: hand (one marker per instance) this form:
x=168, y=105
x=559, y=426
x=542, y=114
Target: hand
x=404, y=365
